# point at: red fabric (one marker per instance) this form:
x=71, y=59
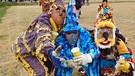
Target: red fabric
x=130, y=51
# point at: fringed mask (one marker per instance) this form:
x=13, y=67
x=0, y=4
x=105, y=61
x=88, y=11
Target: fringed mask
x=105, y=34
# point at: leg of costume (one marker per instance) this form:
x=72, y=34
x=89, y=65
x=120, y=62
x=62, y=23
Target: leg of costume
x=88, y=2
x=77, y=14
x=32, y=65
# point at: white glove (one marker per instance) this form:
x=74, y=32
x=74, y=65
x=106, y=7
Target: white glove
x=83, y=59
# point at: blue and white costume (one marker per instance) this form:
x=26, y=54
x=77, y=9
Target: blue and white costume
x=84, y=42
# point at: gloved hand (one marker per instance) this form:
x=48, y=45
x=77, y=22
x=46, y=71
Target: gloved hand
x=56, y=51
x=83, y=59
x=123, y=65
x=70, y=63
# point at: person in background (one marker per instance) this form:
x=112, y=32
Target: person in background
x=78, y=6
x=35, y=48
x=74, y=36
x=105, y=13
x=87, y=2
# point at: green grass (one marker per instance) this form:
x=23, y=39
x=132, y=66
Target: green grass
x=2, y=12
x=5, y=5
x=3, y=37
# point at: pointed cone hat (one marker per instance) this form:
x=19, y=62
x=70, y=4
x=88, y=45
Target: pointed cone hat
x=71, y=23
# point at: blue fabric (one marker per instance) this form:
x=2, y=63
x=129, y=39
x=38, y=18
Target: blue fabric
x=104, y=63
x=85, y=45
x=84, y=42
x=56, y=61
x=71, y=23
x=105, y=11
x=126, y=55
x=91, y=69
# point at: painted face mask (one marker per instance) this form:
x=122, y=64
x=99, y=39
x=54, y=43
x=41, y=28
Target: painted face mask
x=105, y=34
x=58, y=14
x=72, y=37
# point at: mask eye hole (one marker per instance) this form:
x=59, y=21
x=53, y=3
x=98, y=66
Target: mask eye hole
x=58, y=8
x=72, y=32
x=68, y=32
x=64, y=11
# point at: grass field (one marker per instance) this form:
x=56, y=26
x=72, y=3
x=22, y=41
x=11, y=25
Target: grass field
x=18, y=18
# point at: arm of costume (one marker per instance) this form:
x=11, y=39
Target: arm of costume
x=90, y=51
x=61, y=62
x=66, y=63
x=44, y=43
x=126, y=64
x=87, y=58
x=90, y=46
x=95, y=52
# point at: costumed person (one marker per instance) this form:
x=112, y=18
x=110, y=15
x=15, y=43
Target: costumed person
x=78, y=6
x=104, y=13
x=115, y=58
x=35, y=48
x=75, y=37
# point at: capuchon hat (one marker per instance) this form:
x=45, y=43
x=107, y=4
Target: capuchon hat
x=71, y=23
x=59, y=2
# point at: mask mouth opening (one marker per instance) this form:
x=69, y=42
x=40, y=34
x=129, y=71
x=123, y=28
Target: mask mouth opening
x=105, y=42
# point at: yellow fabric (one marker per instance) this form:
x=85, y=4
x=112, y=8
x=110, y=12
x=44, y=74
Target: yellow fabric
x=99, y=40
x=112, y=41
x=52, y=0
x=103, y=39
x=22, y=62
x=124, y=66
x=105, y=24
x=53, y=25
x=17, y=47
x=122, y=49
x=39, y=45
x=55, y=29
x=25, y=43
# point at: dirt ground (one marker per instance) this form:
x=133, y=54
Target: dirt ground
x=18, y=18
